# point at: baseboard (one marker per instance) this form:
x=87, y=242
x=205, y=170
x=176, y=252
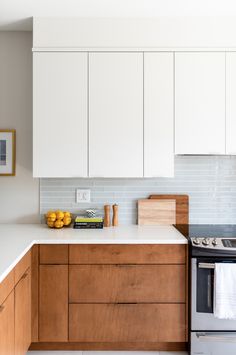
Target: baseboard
x=110, y=346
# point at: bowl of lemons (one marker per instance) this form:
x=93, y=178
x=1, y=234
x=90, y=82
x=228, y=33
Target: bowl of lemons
x=58, y=219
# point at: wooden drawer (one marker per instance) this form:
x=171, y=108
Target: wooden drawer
x=22, y=266
x=53, y=254
x=126, y=283
x=127, y=323
x=127, y=254
x=6, y=286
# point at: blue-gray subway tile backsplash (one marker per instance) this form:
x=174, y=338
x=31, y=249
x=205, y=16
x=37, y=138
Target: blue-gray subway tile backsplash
x=210, y=182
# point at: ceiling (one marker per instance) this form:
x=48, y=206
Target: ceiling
x=17, y=14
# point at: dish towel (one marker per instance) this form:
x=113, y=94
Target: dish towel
x=225, y=291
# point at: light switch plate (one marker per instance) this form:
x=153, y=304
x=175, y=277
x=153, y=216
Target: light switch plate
x=82, y=195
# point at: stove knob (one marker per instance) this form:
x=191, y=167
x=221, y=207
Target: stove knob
x=214, y=242
x=196, y=241
x=205, y=241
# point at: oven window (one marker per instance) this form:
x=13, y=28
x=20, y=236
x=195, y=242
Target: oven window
x=205, y=290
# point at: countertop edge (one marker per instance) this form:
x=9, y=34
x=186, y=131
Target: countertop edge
x=102, y=241
x=38, y=242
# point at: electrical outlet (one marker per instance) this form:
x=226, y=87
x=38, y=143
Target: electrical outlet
x=82, y=195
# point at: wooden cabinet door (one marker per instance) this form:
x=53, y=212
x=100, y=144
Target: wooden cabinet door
x=200, y=103
x=158, y=114
x=7, y=340
x=231, y=103
x=60, y=114
x=23, y=314
x=116, y=114
x=53, y=303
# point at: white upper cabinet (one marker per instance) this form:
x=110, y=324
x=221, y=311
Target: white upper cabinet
x=231, y=103
x=200, y=103
x=158, y=114
x=60, y=114
x=116, y=114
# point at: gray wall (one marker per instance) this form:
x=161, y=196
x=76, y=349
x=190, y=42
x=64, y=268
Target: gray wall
x=19, y=195
x=209, y=181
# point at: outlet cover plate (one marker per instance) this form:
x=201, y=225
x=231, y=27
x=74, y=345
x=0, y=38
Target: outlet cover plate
x=82, y=195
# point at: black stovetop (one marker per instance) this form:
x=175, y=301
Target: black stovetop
x=207, y=230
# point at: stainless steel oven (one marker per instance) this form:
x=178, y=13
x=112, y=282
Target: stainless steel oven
x=209, y=244
x=209, y=335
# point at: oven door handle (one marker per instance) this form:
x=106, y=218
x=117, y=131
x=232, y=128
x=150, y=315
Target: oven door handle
x=221, y=337
x=206, y=265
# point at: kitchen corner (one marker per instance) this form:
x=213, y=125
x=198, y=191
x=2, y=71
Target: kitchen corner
x=117, y=177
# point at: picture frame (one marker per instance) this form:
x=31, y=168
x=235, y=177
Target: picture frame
x=7, y=152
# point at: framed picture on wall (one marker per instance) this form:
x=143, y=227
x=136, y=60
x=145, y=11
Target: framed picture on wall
x=7, y=152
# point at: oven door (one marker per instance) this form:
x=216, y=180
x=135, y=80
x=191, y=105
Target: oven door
x=202, y=291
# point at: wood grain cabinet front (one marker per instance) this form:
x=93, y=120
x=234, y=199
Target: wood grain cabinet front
x=23, y=314
x=7, y=326
x=53, y=254
x=53, y=303
x=127, y=283
x=112, y=297
x=127, y=323
x=127, y=254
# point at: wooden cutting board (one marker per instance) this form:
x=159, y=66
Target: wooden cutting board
x=182, y=206
x=156, y=212
x=163, y=210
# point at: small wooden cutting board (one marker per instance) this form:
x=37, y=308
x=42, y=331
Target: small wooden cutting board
x=156, y=211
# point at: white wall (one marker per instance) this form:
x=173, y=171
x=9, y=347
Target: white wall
x=19, y=195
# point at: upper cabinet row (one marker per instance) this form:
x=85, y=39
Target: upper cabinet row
x=98, y=115
x=117, y=114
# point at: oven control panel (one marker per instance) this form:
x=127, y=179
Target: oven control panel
x=204, y=242
x=210, y=246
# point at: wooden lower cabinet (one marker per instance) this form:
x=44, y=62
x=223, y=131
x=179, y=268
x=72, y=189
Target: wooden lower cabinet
x=111, y=297
x=53, y=303
x=23, y=314
x=7, y=326
x=127, y=323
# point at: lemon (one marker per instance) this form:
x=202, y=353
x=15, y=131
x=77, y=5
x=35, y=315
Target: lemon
x=52, y=217
x=67, y=214
x=50, y=224
x=58, y=224
x=67, y=221
x=59, y=214
x=48, y=213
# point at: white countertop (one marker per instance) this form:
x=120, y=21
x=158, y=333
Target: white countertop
x=17, y=239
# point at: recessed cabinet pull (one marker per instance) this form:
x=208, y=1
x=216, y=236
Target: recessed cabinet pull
x=1, y=308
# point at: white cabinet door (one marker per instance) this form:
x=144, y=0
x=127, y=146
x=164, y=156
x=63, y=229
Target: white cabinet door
x=60, y=114
x=116, y=114
x=158, y=115
x=231, y=103
x=199, y=103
